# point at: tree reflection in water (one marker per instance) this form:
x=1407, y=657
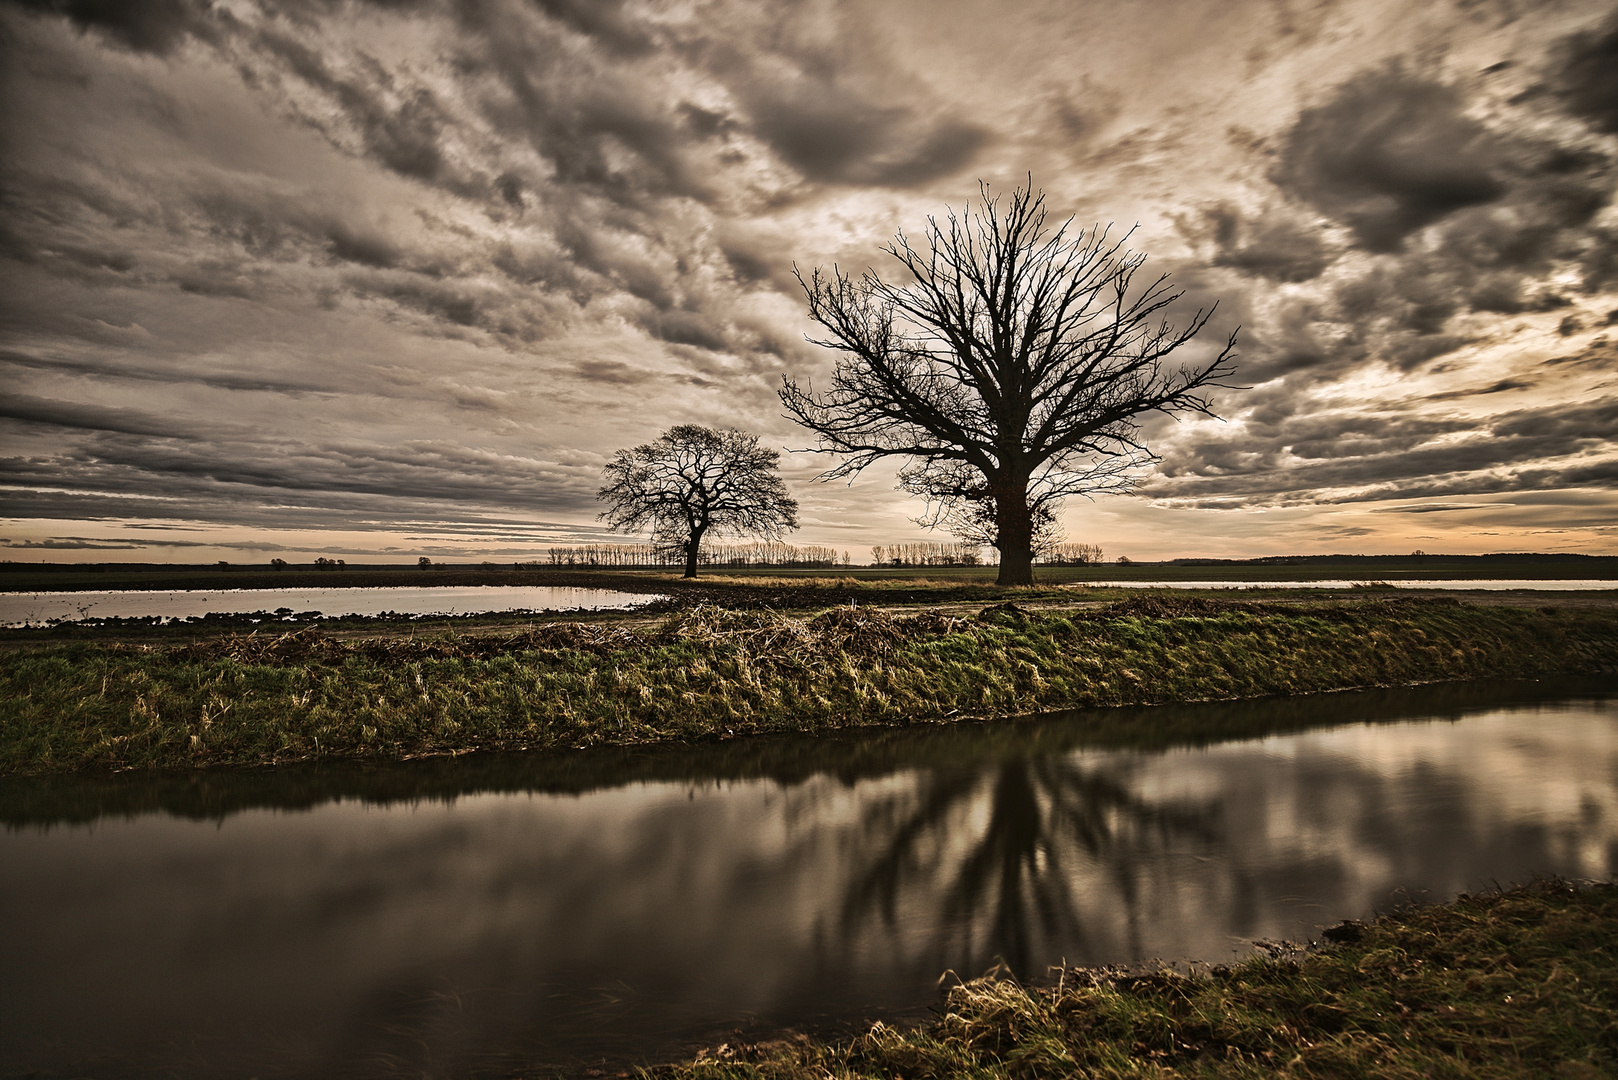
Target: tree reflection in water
x=482, y=915
x=1002, y=849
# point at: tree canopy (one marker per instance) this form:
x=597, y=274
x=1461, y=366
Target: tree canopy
x=1013, y=367
x=693, y=482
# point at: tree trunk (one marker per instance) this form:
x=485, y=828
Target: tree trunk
x=1016, y=567
x=693, y=547
x=1015, y=531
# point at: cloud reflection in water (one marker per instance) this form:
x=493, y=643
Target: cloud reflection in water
x=456, y=928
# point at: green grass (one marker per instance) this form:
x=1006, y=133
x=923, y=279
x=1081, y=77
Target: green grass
x=713, y=673
x=1522, y=983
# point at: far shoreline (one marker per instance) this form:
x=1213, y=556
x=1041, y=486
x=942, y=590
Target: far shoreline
x=1406, y=570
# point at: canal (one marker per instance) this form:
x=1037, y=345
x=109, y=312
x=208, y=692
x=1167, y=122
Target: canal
x=482, y=915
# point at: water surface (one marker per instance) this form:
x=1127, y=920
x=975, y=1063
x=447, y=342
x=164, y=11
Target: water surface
x=37, y=608
x=1447, y=584
x=449, y=917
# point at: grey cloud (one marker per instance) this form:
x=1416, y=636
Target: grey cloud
x=69, y=543
x=1567, y=424
x=582, y=110
x=402, y=128
x=216, y=277
x=259, y=241
x=1408, y=296
x=603, y=20
x=1598, y=474
x=705, y=123
x=260, y=509
x=272, y=225
x=575, y=110
x=119, y=262
x=1295, y=342
x=611, y=371
x=1081, y=114
x=1600, y=353
x=406, y=138
x=1600, y=262
x=686, y=328
x=601, y=171
x=1496, y=388
x=1387, y=155
x=74, y=414
x=1397, y=454
x=758, y=254
x=551, y=270
x=1512, y=481
x=434, y=298
x=365, y=249
x=1273, y=246
x=749, y=264
x=150, y=26
x=595, y=250
x=89, y=543
x=1438, y=508
x=510, y=187
x=1316, y=438
x=830, y=101
x=1584, y=74
x=222, y=472
x=1374, y=485
x=1555, y=192
x=834, y=135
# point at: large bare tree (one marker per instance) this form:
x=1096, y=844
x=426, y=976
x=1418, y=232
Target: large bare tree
x=696, y=481
x=1013, y=368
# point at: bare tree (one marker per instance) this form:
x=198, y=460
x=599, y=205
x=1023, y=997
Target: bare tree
x=1013, y=368
x=695, y=481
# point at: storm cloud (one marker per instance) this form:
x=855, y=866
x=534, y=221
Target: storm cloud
x=387, y=268
x=1387, y=155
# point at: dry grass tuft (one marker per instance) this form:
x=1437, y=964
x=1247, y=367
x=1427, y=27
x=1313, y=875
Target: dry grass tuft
x=1517, y=984
x=783, y=639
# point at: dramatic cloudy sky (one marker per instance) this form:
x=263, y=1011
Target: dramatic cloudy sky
x=382, y=279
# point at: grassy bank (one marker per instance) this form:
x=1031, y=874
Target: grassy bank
x=788, y=760
x=711, y=673
x=1516, y=984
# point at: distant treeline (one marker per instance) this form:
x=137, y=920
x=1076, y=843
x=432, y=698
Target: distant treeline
x=793, y=556
x=1569, y=564
x=1594, y=563
x=758, y=553
x=1070, y=555
x=924, y=554
x=967, y=554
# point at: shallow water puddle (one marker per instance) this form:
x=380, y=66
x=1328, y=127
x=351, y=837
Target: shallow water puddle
x=38, y=608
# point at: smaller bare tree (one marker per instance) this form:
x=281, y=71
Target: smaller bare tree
x=694, y=482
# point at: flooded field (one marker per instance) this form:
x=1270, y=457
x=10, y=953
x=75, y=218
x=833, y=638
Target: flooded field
x=1482, y=584
x=39, y=608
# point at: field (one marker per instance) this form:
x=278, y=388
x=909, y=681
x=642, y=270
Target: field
x=25, y=577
